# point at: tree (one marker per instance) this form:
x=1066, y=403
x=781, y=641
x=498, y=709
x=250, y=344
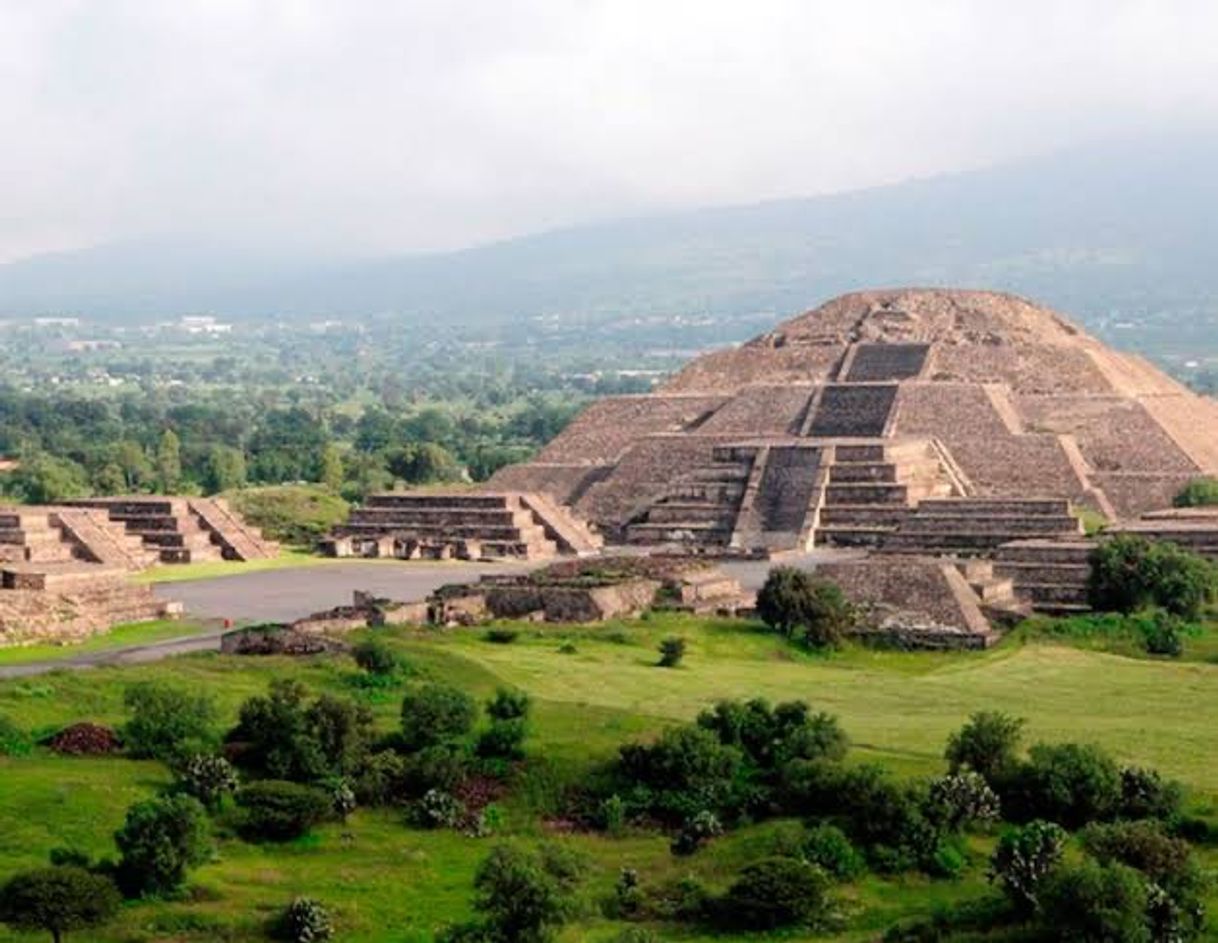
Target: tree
x=1024, y=858
x=1096, y=903
x=435, y=713
x=798, y=606
x=332, y=467
x=277, y=810
x=208, y=778
x=520, y=896
x=672, y=650
x=988, y=745
x=131, y=458
x=376, y=657
x=161, y=839
x=169, y=462
x=44, y=479
x=57, y=900
x=166, y=722
x=224, y=469
x=1129, y=572
x=776, y=892
x=1068, y=783
x=508, y=705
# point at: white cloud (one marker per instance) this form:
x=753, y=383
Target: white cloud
x=382, y=126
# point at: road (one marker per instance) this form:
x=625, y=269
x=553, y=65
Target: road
x=284, y=595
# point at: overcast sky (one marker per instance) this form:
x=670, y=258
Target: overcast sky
x=369, y=126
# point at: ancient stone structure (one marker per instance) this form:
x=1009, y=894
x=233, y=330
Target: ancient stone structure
x=63, y=576
x=185, y=530
x=915, y=421
x=463, y=525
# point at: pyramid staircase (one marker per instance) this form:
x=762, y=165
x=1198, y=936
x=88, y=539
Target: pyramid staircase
x=975, y=526
x=700, y=508
x=1051, y=575
x=166, y=526
x=872, y=489
x=444, y=524
x=237, y=539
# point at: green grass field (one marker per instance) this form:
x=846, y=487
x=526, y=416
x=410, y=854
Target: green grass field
x=387, y=882
x=122, y=636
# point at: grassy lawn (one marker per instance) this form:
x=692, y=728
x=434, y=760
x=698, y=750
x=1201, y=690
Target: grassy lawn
x=388, y=882
x=122, y=636
x=181, y=572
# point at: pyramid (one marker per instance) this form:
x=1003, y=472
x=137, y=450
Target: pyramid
x=905, y=419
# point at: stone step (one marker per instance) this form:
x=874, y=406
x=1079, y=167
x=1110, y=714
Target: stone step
x=993, y=590
x=1054, y=593
x=990, y=506
x=922, y=522
x=453, y=531
x=882, y=472
x=965, y=544
x=1047, y=551
x=884, y=515
x=666, y=512
x=57, y=576
x=701, y=532
x=867, y=493
x=439, y=500
x=843, y=536
x=392, y=517
x=1041, y=572
x=977, y=570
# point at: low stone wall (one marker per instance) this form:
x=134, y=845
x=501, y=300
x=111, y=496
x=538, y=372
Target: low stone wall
x=276, y=639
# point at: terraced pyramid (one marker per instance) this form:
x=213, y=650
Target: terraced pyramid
x=973, y=417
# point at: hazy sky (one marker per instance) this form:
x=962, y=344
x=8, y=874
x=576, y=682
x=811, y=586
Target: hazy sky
x=380, y=126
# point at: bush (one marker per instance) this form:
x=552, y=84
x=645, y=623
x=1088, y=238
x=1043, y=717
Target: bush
x=1024, y=858
x=672, y=650
x=888, y=818
x=1129, y=573
x=501, y=636
x=292, y=514
x=814, y=611
x=277, y=810
x=774, y=893
x=376, y=657
x=435, y=713
x=283, y=738
x=341, y=794
x=167, y=722
x=520, y=895
x=304, y=920
x=988, y=745
x=959, y=800
x=57, y=900
x=439, y=809
x=1200, y=492
x=687, y=770
x=13, y=740
x=1140, y=845
x=1068, y=783
x=208, y=778
x=1146, y=795
x=771, y=737
x=1094, y=903
x=161, y=839
x=1162, y=635
x=696, y=832
x=827, y=847
x=85, y=739
x=503, y=739
x=508, y=705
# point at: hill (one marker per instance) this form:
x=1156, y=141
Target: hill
x=1107, y=230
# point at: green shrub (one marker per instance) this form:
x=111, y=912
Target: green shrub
x=277, y=810
x=1094, y=903
x=376, y=657
x=1200, y=492
x=1024, y=857
x=1162, y=635
x=57, y=900
x=522, y=896
x=774, y=893
x=772, y=736
x=501, y=636
x=503, y=739
x=988, y=745
x=962, y=799
x=686, y=771
x=700, y=828
x=438, y=809
x=798, y=606
x=209, y=778
x=304, y=920
x=1147, y=795
x=160, y=840
x=508, y=705
x=292, y=514
x=1068, y=783
x=611, y=815
x=672, y=650
x=13, y=740
x=167, y=722
x=1129, y=573
x=435, y=713
x=827, y=847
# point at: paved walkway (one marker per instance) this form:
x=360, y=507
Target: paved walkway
x=284, y=595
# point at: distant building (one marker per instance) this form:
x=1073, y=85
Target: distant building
x=203, y=324
x=57, y=322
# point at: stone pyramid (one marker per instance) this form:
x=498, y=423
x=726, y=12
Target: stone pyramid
x=877, y=417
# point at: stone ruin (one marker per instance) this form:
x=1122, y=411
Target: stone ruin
x=64, y=569
x=462, y=525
